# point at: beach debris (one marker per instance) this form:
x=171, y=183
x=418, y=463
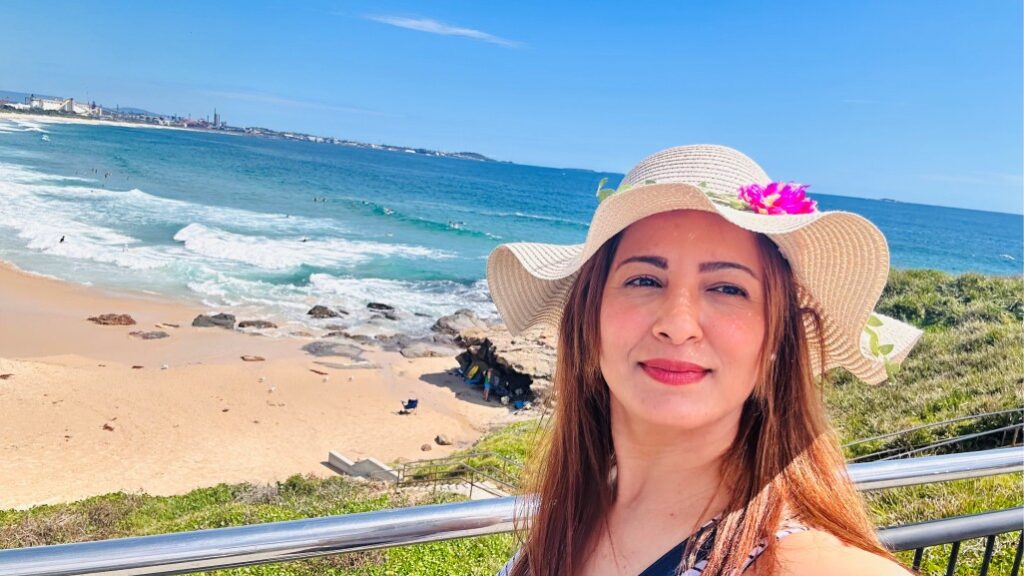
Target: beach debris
x=426, y=447
x=224, y=409
x=113, y=320
x=326, y=378
x=221, y=320
x=321, y=311
x=255, y=421
x=164, y=366
x=5, y=376
x=151, y=335
x=321, y=348
x=169, y=325
x=257, y=324
x=261, y=379
x=137, y=367
x=442, y=440
x=319, y=372
x=108, y=427
x=252, y=358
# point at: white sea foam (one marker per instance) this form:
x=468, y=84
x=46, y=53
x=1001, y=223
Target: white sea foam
x=292, y=252
x=216, y=257
x=21, y=125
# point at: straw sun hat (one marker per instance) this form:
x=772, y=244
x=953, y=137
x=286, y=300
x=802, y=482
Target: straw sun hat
x=840, y=260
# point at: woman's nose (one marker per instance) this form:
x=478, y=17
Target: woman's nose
x=679, y=319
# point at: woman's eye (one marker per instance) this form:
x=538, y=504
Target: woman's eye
x=730, y=290
x=642, y=282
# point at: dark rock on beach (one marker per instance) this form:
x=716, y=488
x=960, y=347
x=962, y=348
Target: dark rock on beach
x=380, y=306
x=113, y=320
x=220, y=320
x=442, y=440
x=320, y=311
x=151, y=335
x=257, y=324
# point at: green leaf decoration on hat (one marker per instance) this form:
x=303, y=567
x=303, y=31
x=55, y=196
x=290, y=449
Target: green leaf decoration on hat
x=603, y=192
x=879, y=350
x=723, y=199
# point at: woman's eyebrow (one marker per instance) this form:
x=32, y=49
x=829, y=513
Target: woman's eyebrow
x=715, y=266
x=656, y=261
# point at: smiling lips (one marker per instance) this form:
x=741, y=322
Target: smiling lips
x=674, y=373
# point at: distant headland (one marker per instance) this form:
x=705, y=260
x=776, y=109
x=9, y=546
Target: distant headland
x=26, y=103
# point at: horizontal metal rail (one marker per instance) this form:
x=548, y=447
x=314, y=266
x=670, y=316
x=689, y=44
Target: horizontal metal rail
x=884, y=474
x=956, y=531
x=281, y=541
x=933, y=425
x=944, y=531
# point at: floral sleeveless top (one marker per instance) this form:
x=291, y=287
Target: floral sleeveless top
x=669, y=563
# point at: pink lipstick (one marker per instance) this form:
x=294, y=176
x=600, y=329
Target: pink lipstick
x=674, y=373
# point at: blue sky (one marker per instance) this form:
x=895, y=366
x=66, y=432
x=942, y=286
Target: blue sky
x=921, y=101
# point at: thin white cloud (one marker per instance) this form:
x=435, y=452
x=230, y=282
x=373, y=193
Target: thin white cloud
x=275, y=100
x=435, y=27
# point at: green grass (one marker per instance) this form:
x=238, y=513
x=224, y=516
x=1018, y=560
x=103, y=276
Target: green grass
x=970, y=360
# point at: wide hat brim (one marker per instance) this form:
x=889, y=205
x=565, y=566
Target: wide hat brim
x=840, y=260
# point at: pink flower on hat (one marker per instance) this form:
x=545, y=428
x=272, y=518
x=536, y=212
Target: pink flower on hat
x=778, y=198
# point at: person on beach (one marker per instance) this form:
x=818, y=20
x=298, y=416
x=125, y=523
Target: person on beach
x=689, y=436
x=489, y=381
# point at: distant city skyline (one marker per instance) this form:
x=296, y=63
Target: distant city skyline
x=916, y=101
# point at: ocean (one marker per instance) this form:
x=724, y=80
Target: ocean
x=267, y=228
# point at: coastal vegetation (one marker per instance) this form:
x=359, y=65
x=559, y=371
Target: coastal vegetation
x=969, y=361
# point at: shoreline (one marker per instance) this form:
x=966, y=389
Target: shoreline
x=56, y=119
x=82, y=420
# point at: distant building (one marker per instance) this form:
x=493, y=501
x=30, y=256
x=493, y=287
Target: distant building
x=216, y=119
x=65, y=105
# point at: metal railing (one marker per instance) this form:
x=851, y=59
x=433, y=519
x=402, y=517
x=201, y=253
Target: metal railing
x=902, y=450
x=283, y=541
x=955, y=531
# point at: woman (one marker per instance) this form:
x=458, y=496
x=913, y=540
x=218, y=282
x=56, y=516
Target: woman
x=689, y=435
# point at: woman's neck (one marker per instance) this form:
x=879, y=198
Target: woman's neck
x=676, y=471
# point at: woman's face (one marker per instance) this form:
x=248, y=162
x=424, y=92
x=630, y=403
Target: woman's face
x=682, y=320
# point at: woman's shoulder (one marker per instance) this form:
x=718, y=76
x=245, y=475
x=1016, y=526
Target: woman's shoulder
x=814, y=552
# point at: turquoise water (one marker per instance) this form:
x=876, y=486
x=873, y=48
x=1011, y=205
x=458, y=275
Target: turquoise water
x=238, y=222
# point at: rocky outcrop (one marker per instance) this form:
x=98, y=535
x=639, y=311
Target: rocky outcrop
x=113, y=320
x=462, y=327
x=526, y=363
x=217, y=320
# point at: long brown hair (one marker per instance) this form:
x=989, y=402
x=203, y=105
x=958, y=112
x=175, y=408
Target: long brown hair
x=785, y=459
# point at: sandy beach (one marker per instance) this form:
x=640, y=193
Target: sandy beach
x=89, y=409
